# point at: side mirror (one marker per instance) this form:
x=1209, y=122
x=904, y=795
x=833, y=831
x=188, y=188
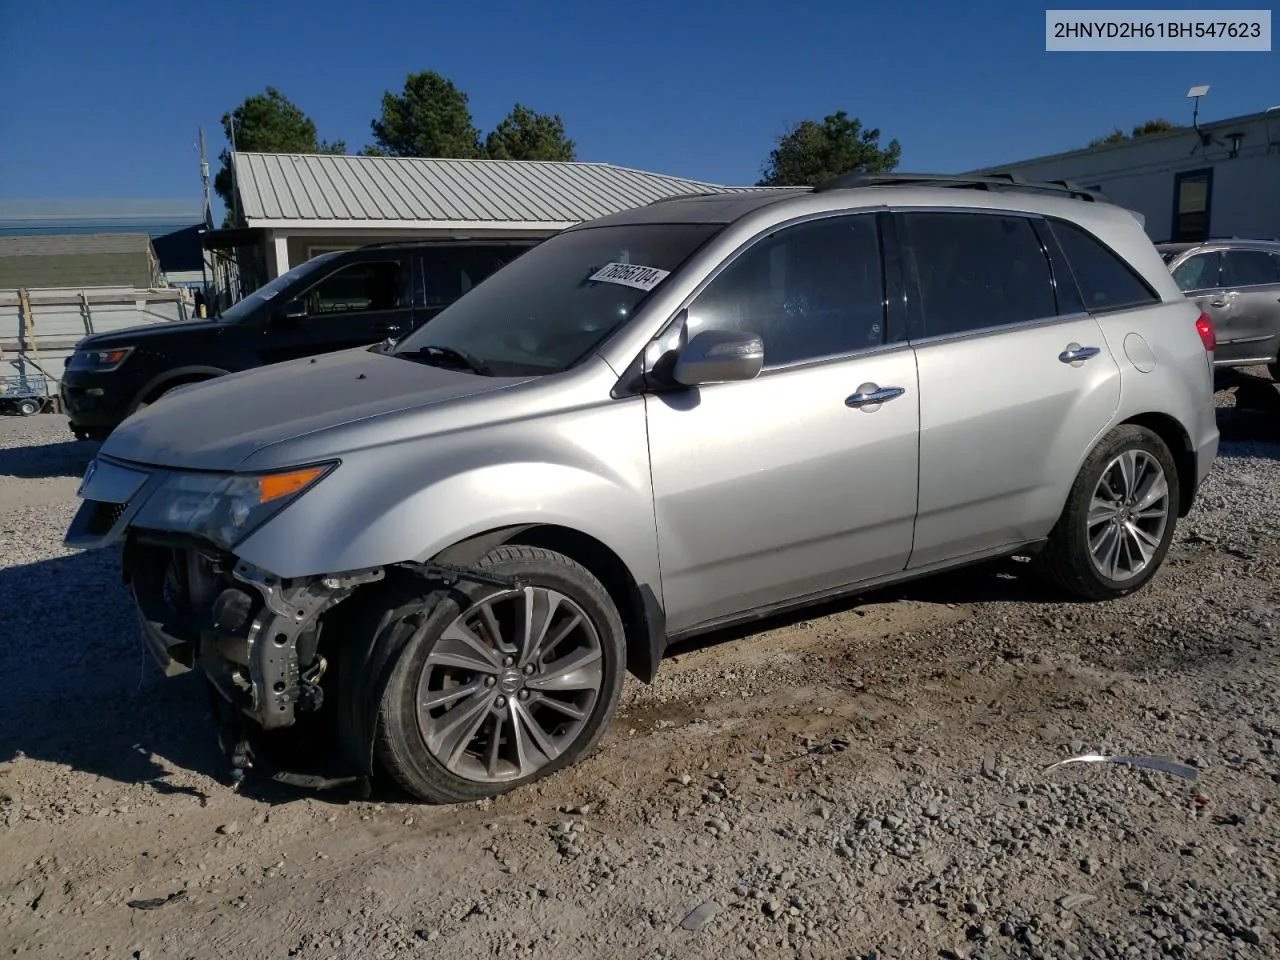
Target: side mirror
x=715, y=356
x=291, y=311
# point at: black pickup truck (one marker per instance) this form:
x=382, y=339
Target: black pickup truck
x=332, y=302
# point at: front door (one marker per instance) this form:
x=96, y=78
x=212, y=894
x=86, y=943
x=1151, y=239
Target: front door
x=793, y=483
x=1012, y=394
x=356, y=304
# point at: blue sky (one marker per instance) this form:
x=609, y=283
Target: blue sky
x=104, y=99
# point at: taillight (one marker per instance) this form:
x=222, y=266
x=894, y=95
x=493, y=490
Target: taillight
x=1204, y=327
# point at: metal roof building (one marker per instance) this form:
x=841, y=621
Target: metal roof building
x=1218, y=179
x=305, y=204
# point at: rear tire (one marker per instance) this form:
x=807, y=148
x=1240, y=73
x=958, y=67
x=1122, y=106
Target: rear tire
x=1119, y=519
x=475, y=706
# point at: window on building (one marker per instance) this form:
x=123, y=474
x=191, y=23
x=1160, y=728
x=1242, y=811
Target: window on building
x=978, y=270
x=1191, y=195
x=371, y=285
x=1106, y=282
x=1197, y=273
x=810, y=291
x=1249, y=268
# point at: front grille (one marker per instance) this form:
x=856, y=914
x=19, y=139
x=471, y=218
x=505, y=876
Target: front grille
x=104, y=517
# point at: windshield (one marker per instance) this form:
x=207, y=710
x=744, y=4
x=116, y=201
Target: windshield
x=243, y=308
x=557, y=303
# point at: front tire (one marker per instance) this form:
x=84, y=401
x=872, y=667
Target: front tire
x=1119, y=518
x=28, y=408
x=496, y=688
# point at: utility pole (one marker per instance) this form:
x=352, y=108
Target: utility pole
x=204, y=179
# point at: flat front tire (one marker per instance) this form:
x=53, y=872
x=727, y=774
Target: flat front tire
x=1119, y=518
x=494, y=688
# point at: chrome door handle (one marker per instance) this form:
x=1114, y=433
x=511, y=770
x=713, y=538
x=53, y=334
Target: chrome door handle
x=869, y=394
x=1075, y=353
x=1217, y=303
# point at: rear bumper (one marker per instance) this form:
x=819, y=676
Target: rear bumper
x=1206, y=454
x=1206, y=449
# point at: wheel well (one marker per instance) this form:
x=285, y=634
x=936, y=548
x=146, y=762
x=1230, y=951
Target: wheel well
x=179, y=381
x=1184, y=457
x=640, y=612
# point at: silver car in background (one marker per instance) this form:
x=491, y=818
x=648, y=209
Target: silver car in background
x=1237, y=284
x=653, y=425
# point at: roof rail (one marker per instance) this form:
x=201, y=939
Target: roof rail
x=995, y=181
x=686, y=196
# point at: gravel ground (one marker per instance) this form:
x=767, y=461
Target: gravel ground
x=869, y=781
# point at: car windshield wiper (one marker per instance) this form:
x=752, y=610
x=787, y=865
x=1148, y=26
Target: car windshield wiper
x=448, y=357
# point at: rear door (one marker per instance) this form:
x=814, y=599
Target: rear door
x=1250, y=293
x=1199, y=276
x=1016, y=381
x=358, y=302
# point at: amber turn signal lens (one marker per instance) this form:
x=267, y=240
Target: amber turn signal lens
x=278, y=485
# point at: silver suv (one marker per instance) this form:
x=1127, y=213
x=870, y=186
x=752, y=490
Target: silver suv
x=1237, y=284
x=650, y=426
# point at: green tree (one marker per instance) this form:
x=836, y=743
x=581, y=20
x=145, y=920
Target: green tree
x=1115, y=136
x=429, y=118
x=1144, y=129
x=527, y=135
x=1158, y=125
x=266, y=123
x=811, y=152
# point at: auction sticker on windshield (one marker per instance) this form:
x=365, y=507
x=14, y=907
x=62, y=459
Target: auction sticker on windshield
x=631, y=275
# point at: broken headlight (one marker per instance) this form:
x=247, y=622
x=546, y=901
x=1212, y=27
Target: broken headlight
x=224, y=508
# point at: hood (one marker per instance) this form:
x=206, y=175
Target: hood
x=216, y=424
x=146, y=333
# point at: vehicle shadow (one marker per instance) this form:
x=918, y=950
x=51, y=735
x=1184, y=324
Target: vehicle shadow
x=1255, y=417
x=67, y=459
x=1006, y=580
x=79, y=689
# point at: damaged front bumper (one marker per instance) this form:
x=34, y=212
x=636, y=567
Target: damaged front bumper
x=254, y=635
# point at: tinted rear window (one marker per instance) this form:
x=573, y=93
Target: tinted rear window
x=1106, y=282
x=978, y=270
x=1248, y=268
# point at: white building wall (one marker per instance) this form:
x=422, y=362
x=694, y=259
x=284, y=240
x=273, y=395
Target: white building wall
x=1139, y=174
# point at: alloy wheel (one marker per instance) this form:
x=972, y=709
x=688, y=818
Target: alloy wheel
x=1128, y=515
x=510, y=684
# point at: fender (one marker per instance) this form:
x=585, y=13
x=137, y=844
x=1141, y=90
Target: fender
x=177, y=373
x=406, y=501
